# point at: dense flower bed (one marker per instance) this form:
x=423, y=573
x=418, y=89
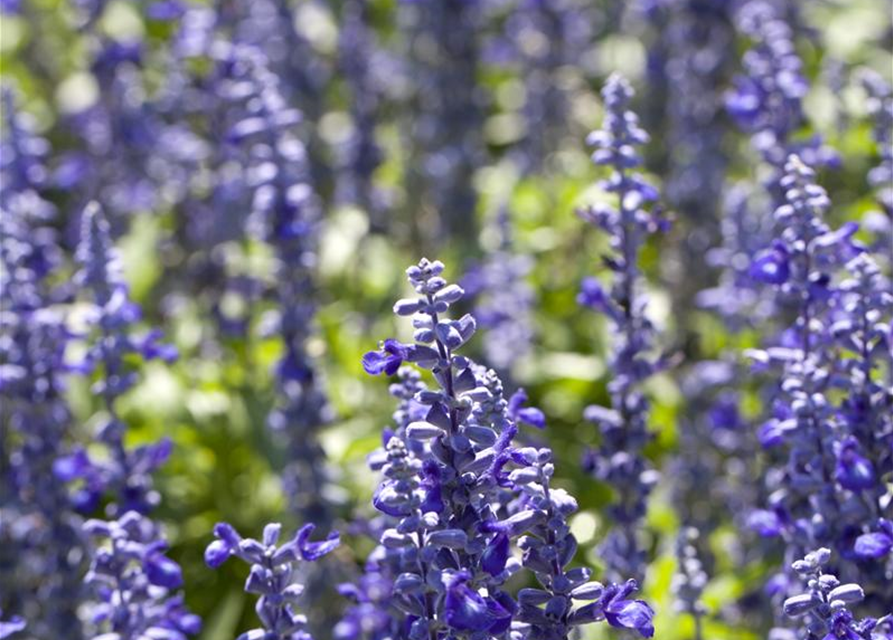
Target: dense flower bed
x=669, y=415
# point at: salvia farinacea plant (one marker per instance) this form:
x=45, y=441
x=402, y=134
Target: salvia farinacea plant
x=828, y=489
x=469, y=508
x=619, y=459
x=202, y=205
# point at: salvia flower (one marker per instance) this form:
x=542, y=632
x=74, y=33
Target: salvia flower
x=736, y=297
x=133, y=580
x=272, y=575
x=459, y=495
x=387, y=360
x=22, y=168
x=367, y=617
x=828, y=491
x=767, y=103
x=280, y=35
x=619, y=460
x=860, y=324
x=121, y=159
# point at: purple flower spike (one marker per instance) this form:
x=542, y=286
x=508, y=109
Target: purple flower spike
x=828, y=398
x=221, y=549
x=457, y=496
x=495, y=555
x=823, y=621
x=133, y=580
x=629, y=218
x=592, y=294
x=217, y=553
x=528, y=415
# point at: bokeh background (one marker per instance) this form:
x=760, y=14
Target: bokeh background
x=475, y=114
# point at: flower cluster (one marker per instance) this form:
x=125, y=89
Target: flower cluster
x=42, y=547
x=460, y=495
x=272, y=574
x=548, y=548
x=369, y=615
x=124, y=157
x=275, y=31
x=619, y=460
x=257, y=166
x=23, y=172
x=829, y=491
x=132, y=579
x=213, y=110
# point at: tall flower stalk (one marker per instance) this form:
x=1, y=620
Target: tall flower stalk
x=130, y=577
x=824, y=609
x=828, y=491
x=286, y=215
x=461, y=495
x=620, y=460
x=767, y=99
x=42, y=546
